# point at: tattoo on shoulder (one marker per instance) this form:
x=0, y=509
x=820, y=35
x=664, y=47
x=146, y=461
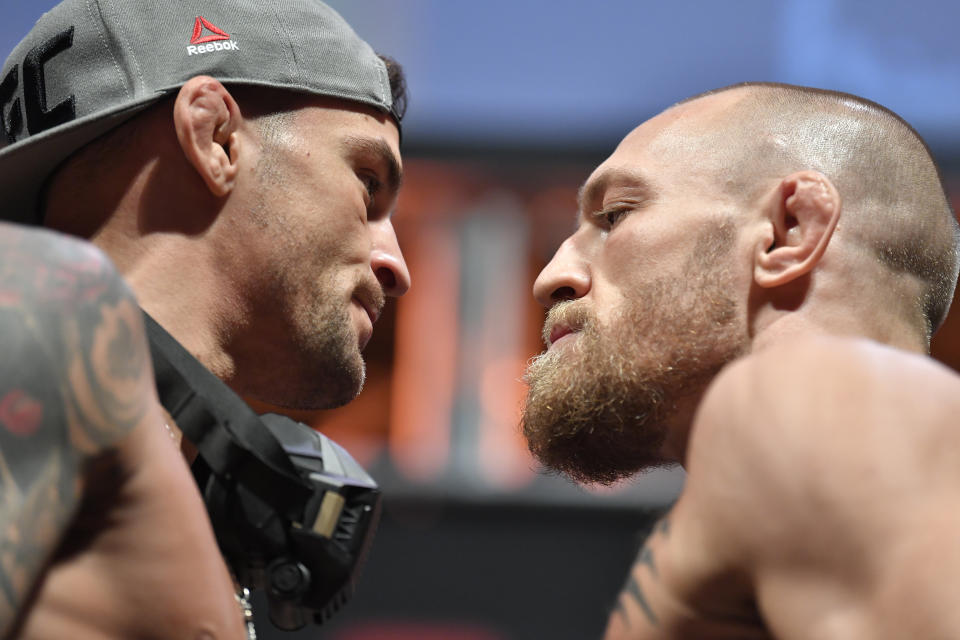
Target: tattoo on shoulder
x=646, y=559
x=74, y=379
x=646, y=566
x=634, y=591
x=663, y=526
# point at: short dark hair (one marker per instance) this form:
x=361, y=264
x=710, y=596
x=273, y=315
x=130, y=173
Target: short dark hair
x=398, y=85
x=257, y=102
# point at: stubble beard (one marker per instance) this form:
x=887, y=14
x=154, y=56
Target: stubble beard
x=331, y=368
x=323, y=367
x=600, y=408
x=315, y=362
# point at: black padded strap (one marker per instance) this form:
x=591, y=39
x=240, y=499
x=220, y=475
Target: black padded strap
x=229, y=436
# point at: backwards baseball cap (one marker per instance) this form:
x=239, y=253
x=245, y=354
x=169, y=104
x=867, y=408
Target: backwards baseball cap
x=89, y=65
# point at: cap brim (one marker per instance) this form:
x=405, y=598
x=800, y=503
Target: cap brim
x=26, y=165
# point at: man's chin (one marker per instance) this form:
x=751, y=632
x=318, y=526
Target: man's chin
x=333, y=397
x=604, y=453
x=336, y=388
x=317, y=383
x=588, y=422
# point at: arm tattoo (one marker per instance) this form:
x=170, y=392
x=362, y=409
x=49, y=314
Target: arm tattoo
x=74, y=379
x=646, y=559
x=633, y=591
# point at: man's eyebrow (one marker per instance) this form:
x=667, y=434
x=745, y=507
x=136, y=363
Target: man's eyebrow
x=614, y=176
x=378, y=149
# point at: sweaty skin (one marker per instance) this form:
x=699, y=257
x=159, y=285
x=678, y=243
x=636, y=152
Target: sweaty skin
x=102, y=532
x=822, y=495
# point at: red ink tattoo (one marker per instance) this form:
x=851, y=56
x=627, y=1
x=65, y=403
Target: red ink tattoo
x=20, y=414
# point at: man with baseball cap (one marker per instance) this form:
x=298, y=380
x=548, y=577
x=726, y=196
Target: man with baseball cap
x=236, y=165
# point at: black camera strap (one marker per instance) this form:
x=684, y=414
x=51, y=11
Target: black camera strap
x=229, y=436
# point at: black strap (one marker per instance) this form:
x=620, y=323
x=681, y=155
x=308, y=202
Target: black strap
x=229, y=436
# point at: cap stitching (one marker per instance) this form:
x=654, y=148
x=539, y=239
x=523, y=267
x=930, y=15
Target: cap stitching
x=131, y=52
x=385, y=82
x=100, y=25
x=284, y=34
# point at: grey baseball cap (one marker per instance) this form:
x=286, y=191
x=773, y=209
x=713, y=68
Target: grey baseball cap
x=89, y=65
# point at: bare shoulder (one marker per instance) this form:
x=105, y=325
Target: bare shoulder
x=75, y=332
x=26, y=247
x=75, y=379
x=826, y=404
x=826, y=472
x=841, y=392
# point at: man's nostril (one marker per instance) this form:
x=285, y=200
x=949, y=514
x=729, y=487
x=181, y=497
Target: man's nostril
x=563, y=293
x=388, y=280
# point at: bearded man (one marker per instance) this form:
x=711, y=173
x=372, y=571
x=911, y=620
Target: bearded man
x=750, y=292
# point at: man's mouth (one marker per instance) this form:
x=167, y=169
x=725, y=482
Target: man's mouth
x=564, y=319
x=559, y=331
x=371, y=300
x=373, y=312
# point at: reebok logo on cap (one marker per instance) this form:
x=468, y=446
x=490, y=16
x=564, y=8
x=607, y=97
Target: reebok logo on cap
x=67, y=84
x=213, y=41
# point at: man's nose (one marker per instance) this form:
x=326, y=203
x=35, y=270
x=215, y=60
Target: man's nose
x=566, y=276
x=386, y=260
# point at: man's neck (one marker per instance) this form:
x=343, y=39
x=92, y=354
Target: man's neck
x=176, y=280
x=798, y=326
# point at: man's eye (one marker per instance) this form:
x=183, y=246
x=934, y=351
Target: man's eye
x=610, y=217
x=372, y=184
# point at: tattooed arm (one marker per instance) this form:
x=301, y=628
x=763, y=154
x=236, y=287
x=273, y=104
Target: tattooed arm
x=75, y=378
x=673, y=594
x=634, y=609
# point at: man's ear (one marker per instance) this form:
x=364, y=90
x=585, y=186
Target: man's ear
x=207, y=118
x=803, y=215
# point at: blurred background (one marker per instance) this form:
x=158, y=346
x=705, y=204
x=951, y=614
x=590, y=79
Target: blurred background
x=512, y=103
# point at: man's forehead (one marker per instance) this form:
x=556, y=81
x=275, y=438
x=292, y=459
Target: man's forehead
x=709, y=105
x=641, y=155
x=630, y=165
x=703, y=114
x=349, y=114
x=678, y=127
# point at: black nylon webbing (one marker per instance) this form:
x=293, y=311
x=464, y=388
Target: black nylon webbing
x=229, y=436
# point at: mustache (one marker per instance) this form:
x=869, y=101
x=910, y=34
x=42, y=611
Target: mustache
x=572, y=314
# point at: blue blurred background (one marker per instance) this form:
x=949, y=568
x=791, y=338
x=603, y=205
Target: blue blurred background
x=511, y=105
x=558, y=73
x=562, y=72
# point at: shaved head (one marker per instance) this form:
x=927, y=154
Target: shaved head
x=738, y=219
x=895, y=208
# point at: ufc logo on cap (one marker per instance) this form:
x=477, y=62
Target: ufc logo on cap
x=33, y=109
